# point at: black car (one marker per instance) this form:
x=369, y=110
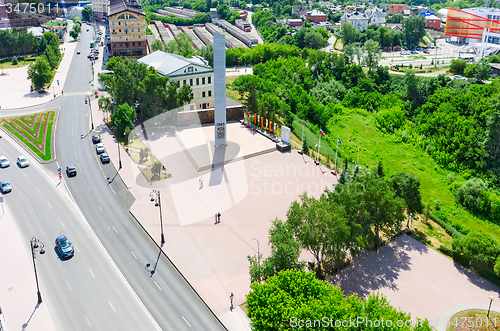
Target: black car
x=64, y=247
x=104, y=158
x=96, y=139
x=5, y=186
x=71, y=171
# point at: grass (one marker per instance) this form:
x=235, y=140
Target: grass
x=420, y=71
x=474, y=319
x=229, y=91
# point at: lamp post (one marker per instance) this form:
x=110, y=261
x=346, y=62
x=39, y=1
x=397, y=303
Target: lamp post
x=36, y=245
x=155, y=196
x=491, y=300
x=258, y=255
x=87, y=98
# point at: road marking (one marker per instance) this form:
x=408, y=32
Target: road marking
x=49, y=205
x=63, y=224
x=25, y=175
x=88, y=188
x=88, y=321
x=69, y=286
x=134, y=255
x=38, y=189
x=115, y=230
x=112, y=307
x=185, y=321
x=157, y=285
x=76, y=248
x=31, y=212
x=99, y=207
x=91, y=273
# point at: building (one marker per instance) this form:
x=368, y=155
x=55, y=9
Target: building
x=194, y=71
x=296, y=9
x=315, y=16
x=100, y=8
x=358, y=20
x=376, y=16
x=397, y=8
x=406, y=13
x=395, y=26
x=245, y=26
x=127, y=27
x=474, y=25
x=495, y=69
x=293, y=22
x=433, y=22
x=213, y=14
x=75, y=11
x=243, y=14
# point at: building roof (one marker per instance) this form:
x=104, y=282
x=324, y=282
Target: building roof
x=432, y=17
x=495, y=65
x=406, y=12
x=118, y=6
x=167, y=63
x=315, y=12
x=355, y=16
x=36, y=31
x=294, y=20
x=395, y=26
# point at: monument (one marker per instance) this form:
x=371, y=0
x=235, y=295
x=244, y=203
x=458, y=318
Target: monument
x=220, y=89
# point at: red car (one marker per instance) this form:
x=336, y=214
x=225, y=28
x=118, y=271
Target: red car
x=426, y=51
x=90, y=56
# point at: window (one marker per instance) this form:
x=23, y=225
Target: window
x=126, y=45
x=191, y=95
x=113, y=23
x=209, y=79
x=114, y=38
x=132, y=29
x=178, y=83
x=121, y=17
x=131, y=17
x=133, y=43
x=190, y=69
x=184, y=82
x=119, y=23
x=114, y=44
x=203, y=94
x=197, y=81
x=120, y=30
x=209, y=93
x=139, y=43
x=113, y=30
x=191, y=82
x=138, y=29
x=139, y=37
x=120, y=37
x=203, y=80
x=121, y=44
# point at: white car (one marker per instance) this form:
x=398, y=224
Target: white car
x=99, y=148
x=22, y=161
x=4, y=163
x=458, y=77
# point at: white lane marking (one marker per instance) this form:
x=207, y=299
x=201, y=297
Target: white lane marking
x=186, y=321
x=157, y=285
x=25, y=175
x=91, y=273
x=88, y=188
x=99, y=208
x=112, y=307
x=69, y=286
x=31, y=212
x=49, y=205
x=73, y=144
x=76, y=248
x=115, y=230
x=88, y=321
x=38, y=189
x=134, y=255
x=63, y=225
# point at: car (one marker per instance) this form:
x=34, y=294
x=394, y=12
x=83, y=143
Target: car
x=96, y=139
x=4, y=163
x=90, y=56
x=414, y=52
x=22, y=161
x=5, y=186
x=105, y=158
x=87, y=30
x=71, y=171
x=99, y=148
x=64, y=247
x=96, y=57
x=96, y=51
x=458, y=77
x=78, y=52
x=426, y=51
x=419, y=49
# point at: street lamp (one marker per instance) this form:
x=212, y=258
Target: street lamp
x=155, y=196
x=36, y=245
x=258, y=255
x=87, y=98
x=491, y=300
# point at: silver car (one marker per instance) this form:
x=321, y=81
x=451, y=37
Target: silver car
x=22, y=161
x=99, y=148
x=4, y=163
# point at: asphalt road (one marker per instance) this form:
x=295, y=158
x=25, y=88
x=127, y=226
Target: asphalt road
x=84, y=292
x=173, y=304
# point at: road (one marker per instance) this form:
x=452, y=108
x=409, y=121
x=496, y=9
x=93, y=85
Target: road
x=86, y=291
x=173, y=304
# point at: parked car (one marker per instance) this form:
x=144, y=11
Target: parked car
x=96, y=139
x=71, y=171
x=414, y=52
x=4, y=163
x=22, y=161
x=426, y=51
x=5, y=186
x=458, y=77
x=90, y=56
x=64, y=247
x=99, y=148
x=105, y=158
x=419, y=49
x=78, y=52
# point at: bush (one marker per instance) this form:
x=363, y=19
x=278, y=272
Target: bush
x=479, y=247
x=445, y=250
x=489, y=276
x=14, y=60
x=447, y=227
x=390, y=120
x=473, y=196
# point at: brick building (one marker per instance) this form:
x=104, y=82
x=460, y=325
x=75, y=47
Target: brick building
x=397, y=8
x=127, y=24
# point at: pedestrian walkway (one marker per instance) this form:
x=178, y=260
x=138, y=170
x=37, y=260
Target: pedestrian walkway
x=15, y=87
x=18, y=293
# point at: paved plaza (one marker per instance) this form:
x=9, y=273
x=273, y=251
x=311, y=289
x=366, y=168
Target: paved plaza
x=418, y=280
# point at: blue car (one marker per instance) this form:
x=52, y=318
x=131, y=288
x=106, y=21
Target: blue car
x=64, y=247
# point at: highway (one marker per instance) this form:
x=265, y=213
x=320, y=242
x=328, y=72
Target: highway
x=170, y=300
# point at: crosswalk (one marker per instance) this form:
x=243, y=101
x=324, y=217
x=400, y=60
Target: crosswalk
x=78, y=93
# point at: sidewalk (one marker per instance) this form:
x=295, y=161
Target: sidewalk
x=18, y=300
x=15, y=86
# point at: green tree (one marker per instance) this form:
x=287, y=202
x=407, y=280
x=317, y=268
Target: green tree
x=87, y=13
x=371, y=54
x=348, y=33
x=380, y=169
x=73, y=34
x=472, y=195
x=156, y=170
x=158, y=45
x=207, y=52
x=184, y=95
x=40, y=72
x=305, y=147
x=407, y=187
x=479, y=247
x=153, y=93
x=458, y=66
x=492, y=140
x=123, y=117
x=143, y=154
x=414, y=29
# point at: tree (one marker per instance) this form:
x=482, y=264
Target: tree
x=314, y=40
x=407, y=187
x=87, y=13
x=157, y=45
x=371, y=54
x=414, y=29
x=478, y=247
x=156, y=169
x=207, y=52
x=153, y=93
x=472, y=195
x=40, y=72
x=492, y=140
x=123, y=117
x=458, y=66
x=184, y=95
x=305, y=147
x=348, y=33
x=143, y=154
x=73, y=34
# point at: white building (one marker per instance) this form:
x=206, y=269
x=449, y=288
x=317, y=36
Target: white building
x=75, y=11
x=194, y=71
x=376, y=16
x=358, y=20
x=100, y=8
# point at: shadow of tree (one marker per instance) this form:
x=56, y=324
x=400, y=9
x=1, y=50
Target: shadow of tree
x=372, y=271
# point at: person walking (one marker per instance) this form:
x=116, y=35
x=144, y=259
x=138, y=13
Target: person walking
x=218, y=217
x=231, y=297
x=215, y=219
x=201, y=183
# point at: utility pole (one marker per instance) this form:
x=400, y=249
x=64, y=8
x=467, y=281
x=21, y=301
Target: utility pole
x=36, y=245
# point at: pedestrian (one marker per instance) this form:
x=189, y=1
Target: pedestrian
x=218, y=217
x=231, y=297
x=215, y=218
x=201, y=182
x=153, y=134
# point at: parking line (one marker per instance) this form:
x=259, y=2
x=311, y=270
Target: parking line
x=88, y=321
x=91, y=273
x=157, y=285
x=99, y=207
x=112, y=307
x=49, y=205
x=115, y=229
x=63, y=225
x=69, y=286
x=76, y=247
x=185, y=321
x=134, y=255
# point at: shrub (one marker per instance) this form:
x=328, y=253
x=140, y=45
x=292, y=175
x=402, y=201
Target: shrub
x=390, y=120
x=479, y=247
x=445, y=250
x=14, y=60
x=473, y=196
